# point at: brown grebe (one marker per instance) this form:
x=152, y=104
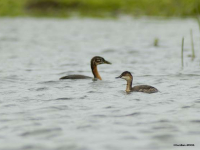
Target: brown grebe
x=97, y=60
x=140, y=88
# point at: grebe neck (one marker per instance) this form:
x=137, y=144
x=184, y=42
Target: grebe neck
x=95, y=71
x=129, y=86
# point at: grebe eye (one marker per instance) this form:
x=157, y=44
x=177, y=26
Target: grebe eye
x=98, y=60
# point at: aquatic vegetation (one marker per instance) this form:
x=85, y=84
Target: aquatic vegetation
x=156, y=40
x=12, y=7
x=98, y=8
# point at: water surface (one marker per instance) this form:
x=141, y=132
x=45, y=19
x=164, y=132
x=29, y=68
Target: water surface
x=38, y=111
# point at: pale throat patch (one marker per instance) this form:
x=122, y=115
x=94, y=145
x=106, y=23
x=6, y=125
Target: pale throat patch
x=126, y=77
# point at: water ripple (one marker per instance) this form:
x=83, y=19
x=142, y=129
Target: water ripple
x=41, y=131
x=64, y=99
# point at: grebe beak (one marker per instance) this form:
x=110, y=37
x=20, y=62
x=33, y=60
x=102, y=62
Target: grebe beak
x=118, y=77
x=107, y=62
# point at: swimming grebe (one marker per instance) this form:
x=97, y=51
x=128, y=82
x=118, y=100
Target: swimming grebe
x=140, y=88
x=97, y=60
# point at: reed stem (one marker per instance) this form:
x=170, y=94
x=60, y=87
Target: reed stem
x=182, y=52
x=198, y=20
x=192, y=44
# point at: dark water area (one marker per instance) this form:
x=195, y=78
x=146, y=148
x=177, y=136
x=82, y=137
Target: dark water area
x=39, y=111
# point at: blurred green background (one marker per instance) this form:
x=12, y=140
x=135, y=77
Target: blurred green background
x=99, y=8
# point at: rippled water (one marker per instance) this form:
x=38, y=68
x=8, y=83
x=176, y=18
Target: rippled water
x=38, y=111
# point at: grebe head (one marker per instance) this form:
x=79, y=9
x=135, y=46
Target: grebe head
x=126, y=75
x=97, y=60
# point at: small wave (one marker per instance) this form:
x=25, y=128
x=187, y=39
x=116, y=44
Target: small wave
x=99, y=116
x=108, y=107
x=49, y=82
x=65, y=65
x=128, y=115
x=186, y=107
x=84, y=127
x=109, y=51
x=83, y=97
x=42, y=89
x=195, y=87
x=64, y=99
x=40, y=131
x=51, y=109
x=195, y=121
x=10, y=105
x=13, y=78
x=133, y=114
x=137, y=99
x=198, y=101
x=130, y=138
x=163, y=137
x=91, y=92
x=163, y=120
